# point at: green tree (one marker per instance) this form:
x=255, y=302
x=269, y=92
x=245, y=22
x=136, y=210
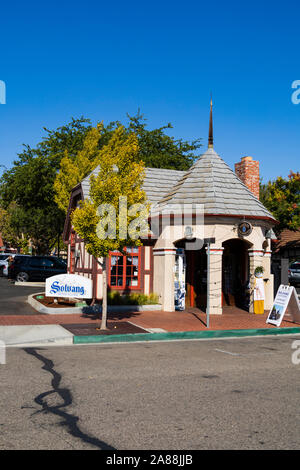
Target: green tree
x=29, y=185
x=12, y=223
x=282, y=198
x=156, y=148
x=74, y=169
x=103, y=227
x=40, y=181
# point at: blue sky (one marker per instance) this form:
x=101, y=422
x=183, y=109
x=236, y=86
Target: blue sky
x=104, y=59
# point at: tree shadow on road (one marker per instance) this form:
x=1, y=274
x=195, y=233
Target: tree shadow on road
x=68, y=420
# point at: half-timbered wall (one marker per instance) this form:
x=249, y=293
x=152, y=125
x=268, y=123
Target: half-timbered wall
x=82, y=263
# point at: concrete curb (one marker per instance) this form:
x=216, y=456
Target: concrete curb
x=51, y=311
x=30, y=284
x=215, y=334
x=95, y=309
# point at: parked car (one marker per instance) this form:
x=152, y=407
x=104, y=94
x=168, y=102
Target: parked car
x=35, y=268
x=294, y=273
x=3, y=262
x=4, y=258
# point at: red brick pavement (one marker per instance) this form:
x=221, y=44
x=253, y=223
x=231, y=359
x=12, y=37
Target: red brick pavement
x=191, y=320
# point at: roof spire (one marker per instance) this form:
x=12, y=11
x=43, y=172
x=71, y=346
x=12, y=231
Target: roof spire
x=210, y=135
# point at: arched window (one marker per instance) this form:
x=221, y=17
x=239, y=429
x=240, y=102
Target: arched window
x=124, y=269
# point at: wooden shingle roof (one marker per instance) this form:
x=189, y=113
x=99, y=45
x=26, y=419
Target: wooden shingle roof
x=210, y=181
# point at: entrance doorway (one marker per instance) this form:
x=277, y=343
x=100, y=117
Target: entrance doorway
x=196, y=276
x=235, y=274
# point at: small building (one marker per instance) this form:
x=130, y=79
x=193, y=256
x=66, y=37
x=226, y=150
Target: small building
x=288, y=245
x=234, y=222
x=285, y=250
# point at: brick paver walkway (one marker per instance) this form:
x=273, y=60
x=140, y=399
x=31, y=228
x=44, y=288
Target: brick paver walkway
x=191, y=320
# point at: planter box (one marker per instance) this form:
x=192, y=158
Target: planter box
x=86, y=309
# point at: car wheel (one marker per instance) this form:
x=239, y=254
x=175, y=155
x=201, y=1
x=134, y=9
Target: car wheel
x=22, y=277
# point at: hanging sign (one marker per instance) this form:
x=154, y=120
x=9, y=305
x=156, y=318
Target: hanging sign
x=286, y=300
x=244, y=229
x=69, y=285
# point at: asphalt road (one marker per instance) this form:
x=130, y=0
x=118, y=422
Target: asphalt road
x=217, y=394
x=13, y=299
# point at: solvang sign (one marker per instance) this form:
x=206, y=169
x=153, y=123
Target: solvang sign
x=69, y=285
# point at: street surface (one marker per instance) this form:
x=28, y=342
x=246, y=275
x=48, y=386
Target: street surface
x=13, y=299
x=218, y=394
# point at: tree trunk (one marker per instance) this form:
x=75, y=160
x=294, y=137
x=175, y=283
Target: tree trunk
x=104, y=301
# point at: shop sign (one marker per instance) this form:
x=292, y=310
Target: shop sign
x=69, y=285
x=286, y=301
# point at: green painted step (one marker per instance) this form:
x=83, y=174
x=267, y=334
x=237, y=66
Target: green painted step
x=128, y=338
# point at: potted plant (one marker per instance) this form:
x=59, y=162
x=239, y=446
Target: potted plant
x=259, y=270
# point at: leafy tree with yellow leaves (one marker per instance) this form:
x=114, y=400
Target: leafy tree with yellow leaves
x=74, y=168
x=114, y=216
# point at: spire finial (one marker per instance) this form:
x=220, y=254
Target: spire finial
x=210, y=135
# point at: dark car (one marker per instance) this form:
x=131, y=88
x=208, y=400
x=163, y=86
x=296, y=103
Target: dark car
x=35, y=268
x=294, y=273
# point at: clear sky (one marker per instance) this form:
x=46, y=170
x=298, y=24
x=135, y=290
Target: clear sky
x=64, y=59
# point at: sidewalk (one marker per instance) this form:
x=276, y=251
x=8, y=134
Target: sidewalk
x=190, y=320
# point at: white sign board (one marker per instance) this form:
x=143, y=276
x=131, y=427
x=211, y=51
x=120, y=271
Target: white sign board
x=286, y=298
x=69, y=285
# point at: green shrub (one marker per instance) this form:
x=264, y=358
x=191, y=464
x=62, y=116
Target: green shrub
x=115, y=298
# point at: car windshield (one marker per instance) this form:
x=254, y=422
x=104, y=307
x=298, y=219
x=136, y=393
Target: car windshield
x=2, y=257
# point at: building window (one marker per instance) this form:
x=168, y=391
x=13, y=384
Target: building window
x=124, y=269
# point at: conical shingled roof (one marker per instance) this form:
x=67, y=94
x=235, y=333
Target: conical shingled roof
x=210, y=181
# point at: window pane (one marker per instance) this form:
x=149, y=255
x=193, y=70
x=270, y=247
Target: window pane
x=36, y=262
x=132, y=250
x=120, y=271
x=113, y=261
x=113, y=270
x=132, y=281
x=48, y=263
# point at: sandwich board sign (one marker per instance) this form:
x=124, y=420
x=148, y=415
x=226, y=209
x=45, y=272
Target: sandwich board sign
x=69, y=285
x=286, y=300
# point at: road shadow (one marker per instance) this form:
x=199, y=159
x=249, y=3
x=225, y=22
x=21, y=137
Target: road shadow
x=70, y=421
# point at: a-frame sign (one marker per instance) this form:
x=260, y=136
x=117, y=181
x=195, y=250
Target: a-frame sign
x=286, y=302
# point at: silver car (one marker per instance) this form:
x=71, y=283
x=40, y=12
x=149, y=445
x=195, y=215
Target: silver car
x=294, y=273
x=4, y=262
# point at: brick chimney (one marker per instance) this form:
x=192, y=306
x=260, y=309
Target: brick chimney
x=248, y=172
